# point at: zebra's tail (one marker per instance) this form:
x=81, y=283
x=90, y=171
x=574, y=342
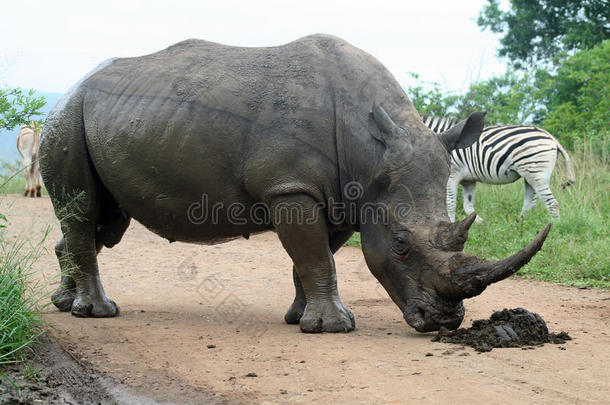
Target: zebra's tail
x=569, y=172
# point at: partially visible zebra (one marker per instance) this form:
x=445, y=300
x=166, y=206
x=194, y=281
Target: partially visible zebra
x=502, y=154
x=27, y=145
x=439, y=124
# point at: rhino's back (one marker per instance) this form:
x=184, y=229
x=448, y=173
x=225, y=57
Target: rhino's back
x=244, y=79
x=234, y=124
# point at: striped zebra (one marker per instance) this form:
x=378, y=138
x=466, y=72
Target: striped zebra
x=439, y=124
x=502, y=154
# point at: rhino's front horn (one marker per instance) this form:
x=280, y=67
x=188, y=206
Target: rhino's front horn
x=470, y=280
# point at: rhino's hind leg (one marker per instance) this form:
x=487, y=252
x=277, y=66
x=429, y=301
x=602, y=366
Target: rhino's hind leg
x=302, y=228
x=111, y=226
x=63, y=297
x=78, y=198
x=90, y=300
x=295, y=312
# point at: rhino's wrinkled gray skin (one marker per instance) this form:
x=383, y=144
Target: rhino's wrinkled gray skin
x=148, y=137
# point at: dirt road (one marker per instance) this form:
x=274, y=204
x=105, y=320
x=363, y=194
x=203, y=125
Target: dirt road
x=200, y=319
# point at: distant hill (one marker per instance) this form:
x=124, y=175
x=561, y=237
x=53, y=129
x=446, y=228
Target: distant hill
x=8, y=139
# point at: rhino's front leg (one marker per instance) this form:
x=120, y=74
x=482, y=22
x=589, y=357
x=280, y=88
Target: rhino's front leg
x=296, y=310
x=302, y=228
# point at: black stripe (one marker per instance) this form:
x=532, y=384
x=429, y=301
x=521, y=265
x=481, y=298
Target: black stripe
x=438, y=123
x=531, y=154
x=460, y=153
x=454, y=159
x=510, y=134
x=442, y=124
x=492, y=146
x=497, y=130
x=477, y=146
x=513, y=147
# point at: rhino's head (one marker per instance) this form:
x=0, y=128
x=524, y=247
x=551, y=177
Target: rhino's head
x=415, y=252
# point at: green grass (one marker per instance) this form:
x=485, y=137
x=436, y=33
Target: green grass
x=20, y=320
x=577, y=250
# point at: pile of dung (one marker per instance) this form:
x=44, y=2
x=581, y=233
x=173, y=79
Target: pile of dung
x=507, y=328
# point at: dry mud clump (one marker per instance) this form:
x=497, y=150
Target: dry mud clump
x=507, y=328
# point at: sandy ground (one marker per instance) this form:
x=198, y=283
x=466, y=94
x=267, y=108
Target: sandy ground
x=198, y=319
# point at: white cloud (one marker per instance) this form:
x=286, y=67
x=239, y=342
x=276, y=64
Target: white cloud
x=49, y=45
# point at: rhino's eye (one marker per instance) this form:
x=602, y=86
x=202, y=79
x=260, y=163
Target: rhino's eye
x=400, y=246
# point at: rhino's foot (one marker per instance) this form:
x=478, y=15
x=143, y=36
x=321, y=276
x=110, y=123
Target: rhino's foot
x=63, y=298
x=85, y=306
x=295, y=312
x=327, y=317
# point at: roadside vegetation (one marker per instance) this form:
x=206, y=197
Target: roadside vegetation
x=20, y=298
x=20, y=305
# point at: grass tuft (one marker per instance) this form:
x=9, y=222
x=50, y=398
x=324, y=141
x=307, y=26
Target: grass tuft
x=20, y=320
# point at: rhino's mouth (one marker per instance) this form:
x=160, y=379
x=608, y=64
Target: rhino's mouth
x=424, y=316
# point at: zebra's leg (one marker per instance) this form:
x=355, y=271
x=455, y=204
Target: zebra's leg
x=538, y=175
x=28, y=176
x=469, y=188
x=452, y=191
x=529, y=200
x=540, y=183
x=38, y=179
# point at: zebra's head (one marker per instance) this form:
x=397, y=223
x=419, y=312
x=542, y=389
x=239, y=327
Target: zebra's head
x=417, y=254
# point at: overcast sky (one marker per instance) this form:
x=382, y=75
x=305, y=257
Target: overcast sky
x=49, y=45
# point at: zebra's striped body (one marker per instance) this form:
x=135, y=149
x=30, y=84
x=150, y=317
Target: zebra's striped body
x=502, y=155
x=439, y=124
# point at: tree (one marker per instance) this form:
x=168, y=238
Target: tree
x=18, y=106
x=578, y=97
x=536, y=31
x=508, y=99
x=428, y=98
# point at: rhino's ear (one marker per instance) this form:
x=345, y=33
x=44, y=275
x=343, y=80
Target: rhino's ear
x=389, y=133
x=464, y=133
x=383, y=121
x=395, y=138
